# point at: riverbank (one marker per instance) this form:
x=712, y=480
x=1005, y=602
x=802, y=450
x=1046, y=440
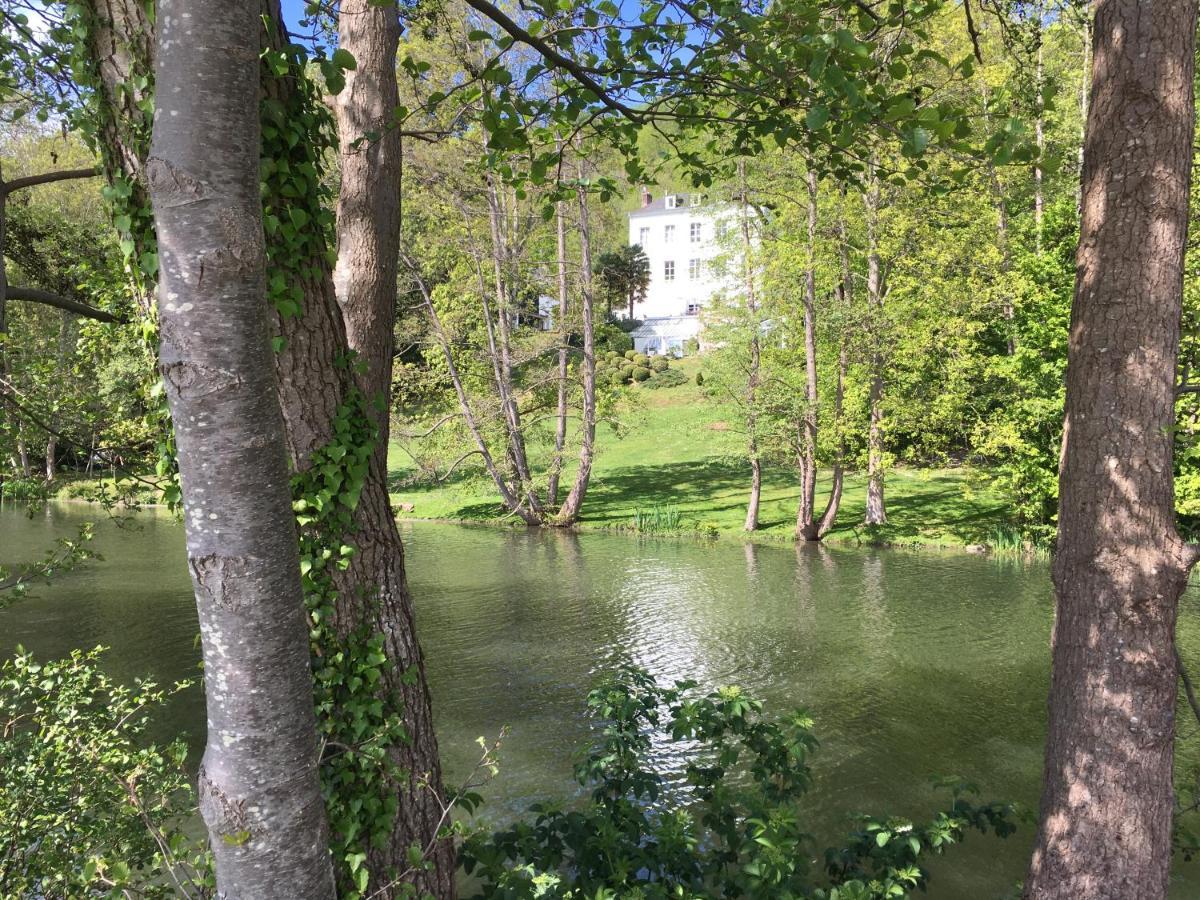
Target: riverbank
x=680, y=455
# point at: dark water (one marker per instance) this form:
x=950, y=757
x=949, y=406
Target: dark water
x=913, y=665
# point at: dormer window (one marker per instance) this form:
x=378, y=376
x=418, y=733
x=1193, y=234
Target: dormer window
x=695, y=199
x=672, y=201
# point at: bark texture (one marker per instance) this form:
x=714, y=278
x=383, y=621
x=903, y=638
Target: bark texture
x=1120, y=566
x=573, y=505
x=260, y=794
x=374, y=588
x=368, y=210
x=312, y=385
x=876, y=513
x=754, y=374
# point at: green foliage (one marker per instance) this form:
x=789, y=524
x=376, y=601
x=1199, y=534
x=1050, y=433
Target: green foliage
x=699, y=379
x=640, y=373
x=631, y=354
x=297, y=131
x=657, y=520
x=623, y=277
x=1022, y=433
x=88, y=807
x=729, y=827
x=668, y=378
x=67, y=555
x=660, y=364
x=355, y=720
x=611, y=339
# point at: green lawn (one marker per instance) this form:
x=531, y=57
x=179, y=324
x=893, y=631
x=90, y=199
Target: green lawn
x=682, y=450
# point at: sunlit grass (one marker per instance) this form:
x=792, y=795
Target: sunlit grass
x=682, y=451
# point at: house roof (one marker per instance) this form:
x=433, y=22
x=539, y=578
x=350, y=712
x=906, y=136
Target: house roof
x=659, y=206
x=667, y=327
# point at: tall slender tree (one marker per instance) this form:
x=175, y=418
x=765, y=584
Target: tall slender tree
x=259, y=791
x=1120, y=566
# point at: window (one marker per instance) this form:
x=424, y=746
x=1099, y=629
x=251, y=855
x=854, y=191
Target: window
x=672, y=201
x=669, y=270
x=695, y=232
x=693, y=309
x=693, y=269
x=696, y=199
x=644, y=236
x=668, y=233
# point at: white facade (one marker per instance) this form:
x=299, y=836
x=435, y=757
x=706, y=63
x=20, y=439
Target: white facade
x=683, y=238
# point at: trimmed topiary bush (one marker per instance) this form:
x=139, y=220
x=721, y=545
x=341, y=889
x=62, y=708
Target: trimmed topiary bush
x=642, y=360
x=660, y=364
x=631, y=354
x=666, y=379
x=699, y=378
x=641, y=373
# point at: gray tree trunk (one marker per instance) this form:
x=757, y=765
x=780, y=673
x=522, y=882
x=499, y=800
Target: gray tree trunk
x=368, y=209
x=753, y=376
x=259, y=790
x=807, y=527
x=876, y=513
x=564, y=331
x=573, y=505
x=1120, y=565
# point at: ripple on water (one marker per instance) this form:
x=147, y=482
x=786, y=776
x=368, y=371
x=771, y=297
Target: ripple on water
x=912, y=664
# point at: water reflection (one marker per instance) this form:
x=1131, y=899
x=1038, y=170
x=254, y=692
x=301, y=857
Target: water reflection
x=913, y=665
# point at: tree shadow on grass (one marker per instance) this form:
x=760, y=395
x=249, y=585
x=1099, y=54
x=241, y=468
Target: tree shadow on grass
x=695, y=482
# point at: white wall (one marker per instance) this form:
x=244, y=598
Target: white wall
x=649, y=228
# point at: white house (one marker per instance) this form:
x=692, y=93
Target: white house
x=683, y=236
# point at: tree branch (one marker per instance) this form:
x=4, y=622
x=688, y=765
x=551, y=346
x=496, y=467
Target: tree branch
x=549, y=53
x=7, y=187
x=35, y=295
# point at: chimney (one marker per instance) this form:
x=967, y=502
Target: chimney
x=647, y=198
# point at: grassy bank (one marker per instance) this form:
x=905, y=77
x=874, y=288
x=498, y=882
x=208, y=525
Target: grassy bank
x=681, y=453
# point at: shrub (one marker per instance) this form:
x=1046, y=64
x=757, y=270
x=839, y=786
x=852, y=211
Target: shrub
x=87, y=806
x=642, y=360
x=730, y=830
x=658, y=520
x=611, y=338
x=641, y=373
x=666, y=379
x=660, y=364
x=631, y=354
x=699, y=378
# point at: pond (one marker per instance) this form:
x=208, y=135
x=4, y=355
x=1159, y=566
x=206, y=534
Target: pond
x=914, y=665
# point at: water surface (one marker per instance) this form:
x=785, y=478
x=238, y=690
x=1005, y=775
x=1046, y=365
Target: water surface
x=914, y=665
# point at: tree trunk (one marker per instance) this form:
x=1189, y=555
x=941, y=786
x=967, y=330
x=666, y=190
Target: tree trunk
x=1085, y=71
x=1120, y=565
x=573, y=505
x=876, y=513
x=807, y=528
x=260, y=795
x=845, y=295
x=754, y=374
x=560, y=425
x=374, y=589
x=1039, y=125
x=501, y=350
x=368, y=208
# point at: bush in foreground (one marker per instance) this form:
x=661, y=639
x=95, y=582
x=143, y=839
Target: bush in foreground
x=729, y=827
